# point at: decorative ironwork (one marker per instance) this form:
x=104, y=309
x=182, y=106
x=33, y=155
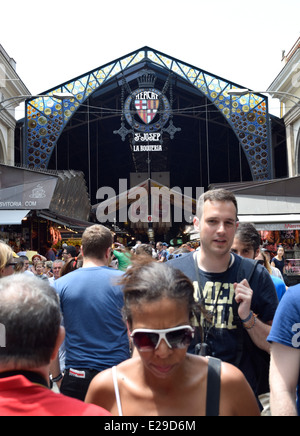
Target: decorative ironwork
x=248, y=115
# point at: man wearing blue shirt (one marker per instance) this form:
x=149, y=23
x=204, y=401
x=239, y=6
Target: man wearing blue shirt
x=91, y=302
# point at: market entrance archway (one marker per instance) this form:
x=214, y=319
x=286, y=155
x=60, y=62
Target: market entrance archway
x=241, y=124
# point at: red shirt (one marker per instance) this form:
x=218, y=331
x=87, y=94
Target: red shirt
x=21, y=397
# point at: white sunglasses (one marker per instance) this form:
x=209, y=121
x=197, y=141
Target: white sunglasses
x=176, y=337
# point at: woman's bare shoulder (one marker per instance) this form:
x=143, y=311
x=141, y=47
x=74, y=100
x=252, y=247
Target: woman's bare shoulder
x=102, y=385
x=237, y=397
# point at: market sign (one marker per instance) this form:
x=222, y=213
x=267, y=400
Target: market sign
x=148, y=112
x=278, y=226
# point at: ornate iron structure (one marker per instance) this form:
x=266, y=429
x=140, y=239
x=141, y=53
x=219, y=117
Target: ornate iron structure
x=248, y=115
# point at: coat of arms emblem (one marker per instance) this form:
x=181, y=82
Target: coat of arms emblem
x=147, y=110
x=147, y=107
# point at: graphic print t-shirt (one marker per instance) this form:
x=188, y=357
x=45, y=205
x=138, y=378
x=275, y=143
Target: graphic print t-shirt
x=217, y=290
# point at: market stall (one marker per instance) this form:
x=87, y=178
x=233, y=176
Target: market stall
x=42, y=207
x=274, y=208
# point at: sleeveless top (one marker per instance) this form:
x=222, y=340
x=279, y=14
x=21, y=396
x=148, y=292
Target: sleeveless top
x=279, y=264
x=212, y=394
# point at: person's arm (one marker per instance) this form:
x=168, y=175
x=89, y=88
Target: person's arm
x=54, y=370
x=259, y=334
x=284, y=375
x=257, y=330
x=54, y=367
x=163, y=257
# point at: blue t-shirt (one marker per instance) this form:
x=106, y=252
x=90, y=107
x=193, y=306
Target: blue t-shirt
x=279, y=286
x=286, y=325
x=91, y=303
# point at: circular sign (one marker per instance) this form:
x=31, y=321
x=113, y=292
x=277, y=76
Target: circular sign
x=147, y=110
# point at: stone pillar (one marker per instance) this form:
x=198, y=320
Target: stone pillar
x=11, y=147
x=290, y=144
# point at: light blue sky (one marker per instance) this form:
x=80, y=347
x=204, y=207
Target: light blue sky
x=53, y=42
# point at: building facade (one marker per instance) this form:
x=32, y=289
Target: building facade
x=286, y=87
x=11, y=87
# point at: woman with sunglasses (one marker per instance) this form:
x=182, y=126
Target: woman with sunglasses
x=7, y=262
x=161, y=378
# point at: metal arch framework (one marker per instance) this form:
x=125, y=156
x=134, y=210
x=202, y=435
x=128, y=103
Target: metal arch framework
x=248, y=115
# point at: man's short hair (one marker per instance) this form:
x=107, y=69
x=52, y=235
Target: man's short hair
x=70, y=249
x=248, y=235
x=56, y=261
x=30, y=313
x=96, y=240
x=216, y=195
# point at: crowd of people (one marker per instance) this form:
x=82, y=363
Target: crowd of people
x=69, y=258
x=153, y=330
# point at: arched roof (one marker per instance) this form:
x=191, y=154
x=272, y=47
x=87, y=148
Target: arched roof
x=248, y=115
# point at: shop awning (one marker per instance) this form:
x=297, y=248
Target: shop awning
x=12, y=217
x=66, y=221
x=22, y=189
x=269, y=204
x=63, y=192
x=273, y=222
x=274, y=206
x=270, y=212
x=270, y=218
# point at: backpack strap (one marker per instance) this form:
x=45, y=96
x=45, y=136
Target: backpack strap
x=213, y=387
x=246, y=270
